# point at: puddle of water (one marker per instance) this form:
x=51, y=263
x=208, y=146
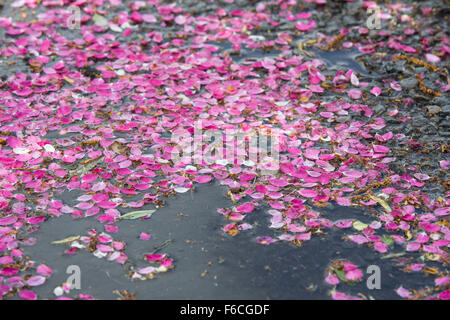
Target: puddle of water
x=236, y=268
x=343, y=58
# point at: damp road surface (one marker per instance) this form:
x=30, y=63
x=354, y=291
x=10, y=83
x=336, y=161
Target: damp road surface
x=210, y=264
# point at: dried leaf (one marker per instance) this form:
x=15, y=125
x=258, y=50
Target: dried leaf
x=68, y=79
x=66, y=240
x=394, y=255
x=382, y=203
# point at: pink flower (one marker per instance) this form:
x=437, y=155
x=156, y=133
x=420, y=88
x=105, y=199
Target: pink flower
x=35, y=281
x=376, y=91
x=444, y=164
x=359, y=239
x=349, y=266
x=308, y=193
x=353, y=173
x=27, y=295
x=441, y=281
x=278, y=182
x=343, y=296
x=380, y=247
x=147, y=270
x=332, y=279
x=442, y=211
x=266, y=240
x=344, y=224
x=154, y=257
x=6, y=260
x=422, y=238
x=354, y=275
x=444, y=295
x=203, y=179
x=412, y=246
x=9, y=271
x=303, y=236
x=144, y=236
x=306, y=26
x=8, y=220
x=166, y=262
x=380, y=149
x=432, y=58
x=404, y=293
x=44, y=270
x=245, y=208
x=417, y=266
x=354, y=94
x=343, y=201
x=180, y=19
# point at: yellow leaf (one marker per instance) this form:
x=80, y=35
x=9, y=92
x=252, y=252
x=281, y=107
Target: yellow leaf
x=358, y=225
x=382, y=203
x=66, y=240
x=433, y=256
x=68, y=80
x=408, y=235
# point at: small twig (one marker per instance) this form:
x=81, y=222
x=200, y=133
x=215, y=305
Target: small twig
x=164, y=244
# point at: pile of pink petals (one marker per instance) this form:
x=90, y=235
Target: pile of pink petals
x=156, y=85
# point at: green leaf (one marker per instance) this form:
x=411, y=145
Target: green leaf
x=387, y=240
x=100, y=20
x=358, y=225
x=137, y=214
x=341, y=274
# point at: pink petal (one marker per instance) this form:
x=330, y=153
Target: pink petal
x=380, y=149
x=245, y=208
x=380, y=246
x=154, y=257
x=353, y=275
x=404, y=293
x=442, y=211
x=144, y=236
x=343, y=201
x=332, y=279
x=36, y=281
x=432, y=58
x=203, y=179
x=308, y=193
x=354, y=93
x=44, y=270
x=412, y=246
x=375, y=91
x=27, y=295
x=90, y=177
x=8, y=220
